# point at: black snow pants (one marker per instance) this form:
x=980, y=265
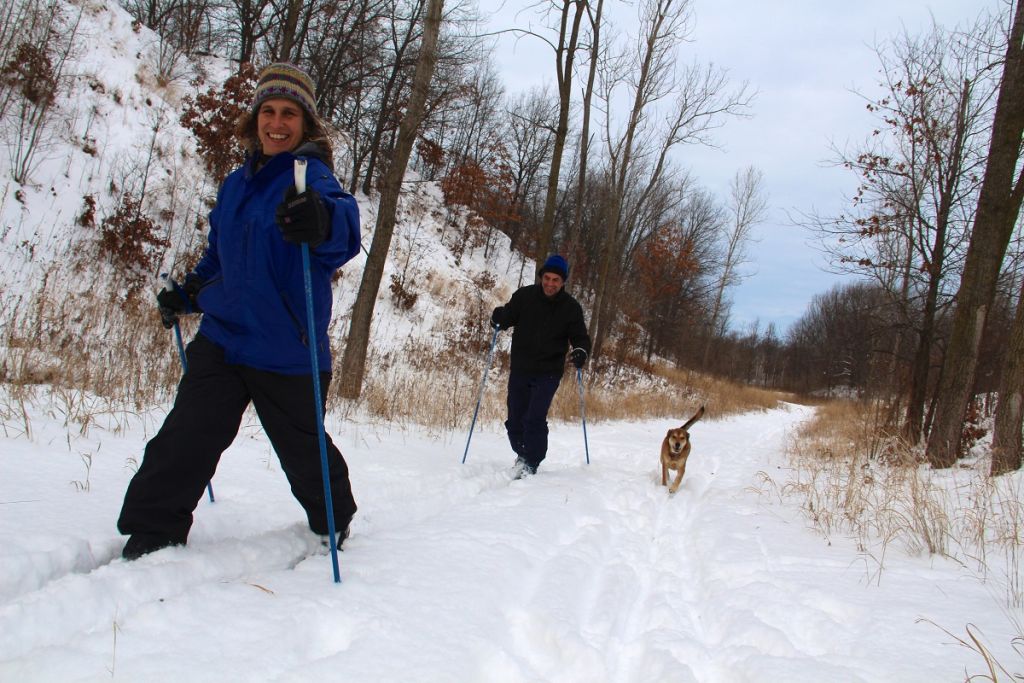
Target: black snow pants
x=207, y=413
x=528, y=401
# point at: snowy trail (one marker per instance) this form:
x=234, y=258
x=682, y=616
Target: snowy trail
x=594, y=563
x=455, y=573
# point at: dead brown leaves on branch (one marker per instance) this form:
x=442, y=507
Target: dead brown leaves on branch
x=212, y=116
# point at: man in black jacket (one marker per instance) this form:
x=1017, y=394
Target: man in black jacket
x=548, y=322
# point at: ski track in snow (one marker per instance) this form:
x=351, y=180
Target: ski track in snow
x=580, y=573
x=77, y=603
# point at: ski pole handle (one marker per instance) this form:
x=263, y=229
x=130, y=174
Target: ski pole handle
x=300, y=176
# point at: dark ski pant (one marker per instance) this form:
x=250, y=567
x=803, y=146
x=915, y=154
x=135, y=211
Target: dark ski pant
x=529, y=398
x=207, y=413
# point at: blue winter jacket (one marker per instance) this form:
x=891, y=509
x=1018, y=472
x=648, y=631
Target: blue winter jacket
x=253, y=292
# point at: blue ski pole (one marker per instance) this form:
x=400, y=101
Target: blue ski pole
x=487, y=369
x=300, y=187
x=184, y=368
x=583, y=411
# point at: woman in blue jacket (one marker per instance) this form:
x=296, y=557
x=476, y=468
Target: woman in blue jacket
x=252, y=344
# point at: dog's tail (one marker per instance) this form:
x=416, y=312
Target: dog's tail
x=698, y=415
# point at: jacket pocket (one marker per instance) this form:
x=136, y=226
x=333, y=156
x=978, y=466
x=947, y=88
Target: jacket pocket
x=296, y=321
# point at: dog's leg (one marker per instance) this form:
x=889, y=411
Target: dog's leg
x=679, y=478
x=664, y=474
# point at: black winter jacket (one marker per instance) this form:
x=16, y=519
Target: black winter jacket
x=544, y=329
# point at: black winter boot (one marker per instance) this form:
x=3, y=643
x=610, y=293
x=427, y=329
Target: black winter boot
x=143, y=544
x=521, y=469
x=325, y=540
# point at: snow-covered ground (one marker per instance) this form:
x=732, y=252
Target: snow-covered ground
x=455, y=573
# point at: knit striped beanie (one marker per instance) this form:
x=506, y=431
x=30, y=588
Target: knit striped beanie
x=285, y=80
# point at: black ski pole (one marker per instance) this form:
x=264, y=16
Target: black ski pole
x=487, y=369
x=184, y=365
x=583, y=412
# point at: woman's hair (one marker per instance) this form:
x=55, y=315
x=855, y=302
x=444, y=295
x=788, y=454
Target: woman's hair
x=313, y=130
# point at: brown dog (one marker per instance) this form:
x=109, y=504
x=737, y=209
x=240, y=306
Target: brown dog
x=675, y=449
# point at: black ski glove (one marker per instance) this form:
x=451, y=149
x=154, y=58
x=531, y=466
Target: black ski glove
x=303, y=218
x=174, y=300
x=578, y=357
x=496, y=318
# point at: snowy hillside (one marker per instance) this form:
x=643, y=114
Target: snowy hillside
x=115, y=129
x=583, y=573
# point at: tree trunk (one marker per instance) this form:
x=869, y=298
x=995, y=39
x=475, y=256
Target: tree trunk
x=919, y=373
x=588, y=96
x=353, y=363
x=619, y=172
x=998, y=207
x=923, y=355
x=921, y=369
x=291, y=21
x=565, y=56
x=1006, y=437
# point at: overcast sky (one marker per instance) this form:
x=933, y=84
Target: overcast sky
x=805, y=59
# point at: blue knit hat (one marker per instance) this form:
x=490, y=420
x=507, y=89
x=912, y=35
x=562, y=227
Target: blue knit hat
x=555, y=264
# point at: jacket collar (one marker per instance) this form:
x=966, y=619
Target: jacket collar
x=256, y=162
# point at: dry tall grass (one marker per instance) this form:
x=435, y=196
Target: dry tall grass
x=113, y=348
x=437, y=387
x=851, y=478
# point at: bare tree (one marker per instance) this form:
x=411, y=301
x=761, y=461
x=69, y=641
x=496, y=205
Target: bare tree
x=833, y=344
x=354, y=360
x=470, y=126
x=530, y=118
x=998, y=208
x=154, y=14
x=570, y=17
x=371, y=110
x=748, y=205
x=529, y=123
x=248, y=21
x=595, y=14
x=187, y=25
x=403, y=38
x=670, y=270
x=908, y=224
x=637, y=152
x=196, y=27
x=346, y=50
